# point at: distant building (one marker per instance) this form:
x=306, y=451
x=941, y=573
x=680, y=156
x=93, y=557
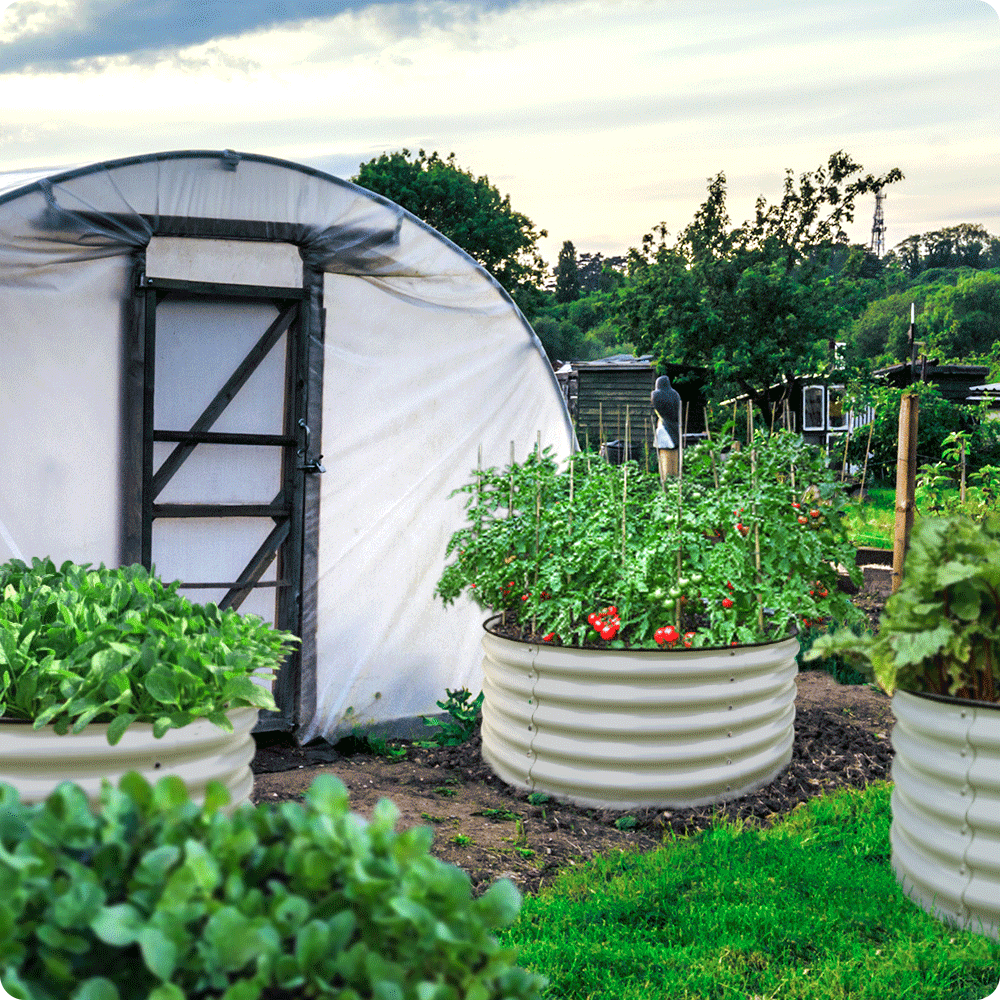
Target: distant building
x=608, y=400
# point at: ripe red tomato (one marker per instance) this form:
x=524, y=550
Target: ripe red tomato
x=727, y=602
x=815, y=513
x=803, y=520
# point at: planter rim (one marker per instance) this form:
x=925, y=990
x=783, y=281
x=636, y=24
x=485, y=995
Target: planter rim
x=6, y=721
x=640, y=649
x=948, y=699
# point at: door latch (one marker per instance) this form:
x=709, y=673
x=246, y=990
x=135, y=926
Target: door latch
x=313, y=465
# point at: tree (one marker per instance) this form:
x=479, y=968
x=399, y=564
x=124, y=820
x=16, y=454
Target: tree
x=599, y=273
x=755, y=302
x=567, y=275
x=469, y=210
x=964, y=245
x=962, y=321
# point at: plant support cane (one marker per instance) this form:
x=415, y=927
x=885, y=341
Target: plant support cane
x=906, y=471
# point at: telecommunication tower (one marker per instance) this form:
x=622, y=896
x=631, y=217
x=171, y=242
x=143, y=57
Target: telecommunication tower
x=878, y=226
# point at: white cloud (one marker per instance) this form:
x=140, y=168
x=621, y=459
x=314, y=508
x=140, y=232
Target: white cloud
x=600, y=118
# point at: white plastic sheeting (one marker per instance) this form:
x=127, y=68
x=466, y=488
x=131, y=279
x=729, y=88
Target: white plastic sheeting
x=426, y=359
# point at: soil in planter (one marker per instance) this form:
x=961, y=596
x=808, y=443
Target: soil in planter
x=492, y=830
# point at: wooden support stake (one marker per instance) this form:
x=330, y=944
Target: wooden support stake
x=906, y=480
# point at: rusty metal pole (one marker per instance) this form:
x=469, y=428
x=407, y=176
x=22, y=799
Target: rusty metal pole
x=906, y=481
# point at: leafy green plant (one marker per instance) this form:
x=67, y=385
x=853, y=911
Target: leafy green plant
x=497, y=815
x=360, y=741
x=460, y=726
x=940, y=631
x=151, y=896
x=838, y=667
x=461, y=840
x=597, y=554
x=625, y=823
x=117, y=646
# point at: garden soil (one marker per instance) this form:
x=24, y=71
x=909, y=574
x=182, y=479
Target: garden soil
x=491, y=830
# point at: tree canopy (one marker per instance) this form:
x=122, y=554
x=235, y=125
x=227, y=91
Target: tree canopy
x=467, y=209
x=567, y=274
x=964, y=245
x=756, y=302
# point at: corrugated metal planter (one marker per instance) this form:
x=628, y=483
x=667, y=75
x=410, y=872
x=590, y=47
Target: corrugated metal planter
x=626, y=729
x=946, y=807
x=35, y=761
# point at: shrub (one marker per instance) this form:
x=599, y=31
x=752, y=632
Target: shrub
x=150, y=896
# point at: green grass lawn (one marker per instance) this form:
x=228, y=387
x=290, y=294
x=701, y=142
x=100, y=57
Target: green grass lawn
x=808, y=909
x=872, y=522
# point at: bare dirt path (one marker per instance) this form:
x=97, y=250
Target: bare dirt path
x=492, y=830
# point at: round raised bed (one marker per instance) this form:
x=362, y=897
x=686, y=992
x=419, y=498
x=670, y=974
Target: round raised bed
x=35, y=761
x=946, y=807
x=627, y=729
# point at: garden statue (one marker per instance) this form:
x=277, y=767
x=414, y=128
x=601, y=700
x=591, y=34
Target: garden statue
x=667, y=403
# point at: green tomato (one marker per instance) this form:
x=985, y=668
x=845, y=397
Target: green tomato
x=673, y=593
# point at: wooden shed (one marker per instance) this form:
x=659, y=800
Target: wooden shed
x=608, y=397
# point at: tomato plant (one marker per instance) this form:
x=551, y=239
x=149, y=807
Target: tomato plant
x=613, y=557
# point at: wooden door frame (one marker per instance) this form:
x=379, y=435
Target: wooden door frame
x=295, y=686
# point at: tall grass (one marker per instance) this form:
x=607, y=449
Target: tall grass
x=808, y=909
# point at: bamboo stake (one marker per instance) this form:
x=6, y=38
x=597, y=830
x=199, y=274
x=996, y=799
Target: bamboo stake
x=538, y=519
x=510, y=501
x=961, y=446
x=678, y=606
x=711, y=453
x=510, y=512
x=683, y=438
x=624, y=500
x=628, y=434
x=843, y=465
x=906, y=473
x=868, y=448
x=600, y=425
x=756, y=537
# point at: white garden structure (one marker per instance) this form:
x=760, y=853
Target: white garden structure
x=265, y=382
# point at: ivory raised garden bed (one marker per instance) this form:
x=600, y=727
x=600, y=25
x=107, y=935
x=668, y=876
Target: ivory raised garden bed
x=35, y=761
x=946, y=807
x=626, y=729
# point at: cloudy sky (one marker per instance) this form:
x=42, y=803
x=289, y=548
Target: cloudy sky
x=600, y=118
